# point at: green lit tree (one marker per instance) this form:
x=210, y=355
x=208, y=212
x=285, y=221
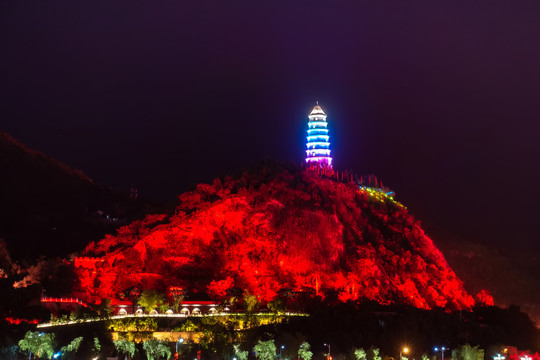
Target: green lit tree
x=97, y=347
x=376, y=354
x=155, y=350
x=241, y=355
x=304, y=351
x=360, y=354
x=125, y=347
x=468, y=352
x=265, y=350
x=73, y=346
x=150, y=299
x=38, y=344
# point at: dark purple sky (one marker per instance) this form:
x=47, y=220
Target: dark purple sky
x=440, y=99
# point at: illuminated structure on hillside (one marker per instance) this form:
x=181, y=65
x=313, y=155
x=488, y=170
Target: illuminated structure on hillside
x=318, y=146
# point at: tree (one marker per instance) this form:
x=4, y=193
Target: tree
x=304, y=352
x=105, y=309
x=265, y=350
x=241, y=355
x=163, y=308
x=97, y=347
x=9, y=352
x=485, y=298
x=360, y=354
x=467, y=352
x=39, y=344
x=276, y=306
x=155, y=349
x=125, y=347
x=132, y=294
x=376, y=354
x=250, y=301
x=73, y=346
x=150, y=299
x=177, y=297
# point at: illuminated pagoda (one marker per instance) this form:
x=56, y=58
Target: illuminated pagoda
x=318, y=146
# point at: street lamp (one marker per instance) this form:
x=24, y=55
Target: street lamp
x=442, y=348
x=329, y=352
x=180, y=340
x=405, y=350
x=280, y=352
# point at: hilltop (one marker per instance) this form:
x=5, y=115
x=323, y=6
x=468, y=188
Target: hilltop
x=279, y=231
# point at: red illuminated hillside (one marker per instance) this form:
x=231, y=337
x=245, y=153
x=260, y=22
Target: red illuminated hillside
x=278, y=230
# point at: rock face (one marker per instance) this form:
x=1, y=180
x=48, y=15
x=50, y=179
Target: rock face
x=275, y=231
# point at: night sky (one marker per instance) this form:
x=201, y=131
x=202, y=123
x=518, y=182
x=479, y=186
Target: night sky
x=441, y=100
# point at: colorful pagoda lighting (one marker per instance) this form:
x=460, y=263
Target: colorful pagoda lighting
x=318, y=145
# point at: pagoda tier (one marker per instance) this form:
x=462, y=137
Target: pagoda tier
x=318, y=145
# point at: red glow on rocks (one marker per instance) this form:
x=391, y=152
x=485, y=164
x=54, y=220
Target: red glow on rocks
x=484, y=297
x=18, y=321
x=270, y=231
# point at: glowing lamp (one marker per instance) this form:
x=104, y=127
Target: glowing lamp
x=442, y=348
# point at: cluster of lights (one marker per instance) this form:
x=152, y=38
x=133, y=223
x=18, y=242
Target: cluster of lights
x=379, y=195
x=318, y=137
x=318, y=152
x=442, y=349
x=116, y=317
x=63, y=300
x=317, y=124
x=318, y=145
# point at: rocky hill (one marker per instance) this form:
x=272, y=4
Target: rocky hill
x=278, y=231
x=510, y=275
x=48, y=208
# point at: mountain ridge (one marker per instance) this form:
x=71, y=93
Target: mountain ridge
x=51, y=209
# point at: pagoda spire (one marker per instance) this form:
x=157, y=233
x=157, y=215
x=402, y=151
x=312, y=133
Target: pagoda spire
x=318, y=145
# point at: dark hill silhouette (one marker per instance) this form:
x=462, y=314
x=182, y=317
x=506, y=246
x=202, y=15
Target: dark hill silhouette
x=511, y=276
x=48, y=208
x=279, y=231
